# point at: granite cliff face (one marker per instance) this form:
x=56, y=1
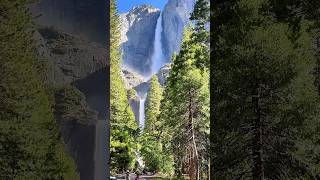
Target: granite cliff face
x=71, y=41
x=138, y=32
x=69, y=57
x=137, y=36
x=176, y=14
x=138, y=28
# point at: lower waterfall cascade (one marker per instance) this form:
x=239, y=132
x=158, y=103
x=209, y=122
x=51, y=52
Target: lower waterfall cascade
x=142, y=111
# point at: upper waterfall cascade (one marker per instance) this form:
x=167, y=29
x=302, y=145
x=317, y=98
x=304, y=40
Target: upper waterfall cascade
x=157, y=56
x=149, y=37
x=157, y=62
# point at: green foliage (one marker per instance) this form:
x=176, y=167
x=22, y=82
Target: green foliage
x=132, y=94
x=258, y=58
x=200, y=34
x=156, y=160
x=153, y=105
x=123, y=130
x=30, y=147
x=186, y=105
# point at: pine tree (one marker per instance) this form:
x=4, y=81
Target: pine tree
x=200, y=36
x=185, y=107
x=153, y=105
x=156, y=160
x=30, y=146
x=185, y=110
x=295, y=12
x=259, y=77
x=123, y=127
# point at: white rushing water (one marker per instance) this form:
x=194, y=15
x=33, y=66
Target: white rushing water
x=157, y=57
x=141, y=111
x=158, y=61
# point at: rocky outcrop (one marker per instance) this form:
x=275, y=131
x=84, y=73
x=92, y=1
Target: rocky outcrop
x=134, y=100
x=176, y=15
x=137, y=36
x=69, y=57
x=163, y=74
x=131, y=78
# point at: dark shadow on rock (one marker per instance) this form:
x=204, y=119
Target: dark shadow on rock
x=87, y=18
x=80, y=139
x=95, y=87
x=96, y=90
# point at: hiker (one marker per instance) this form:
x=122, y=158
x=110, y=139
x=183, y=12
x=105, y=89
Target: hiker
x=127, y=175
x=137, y=177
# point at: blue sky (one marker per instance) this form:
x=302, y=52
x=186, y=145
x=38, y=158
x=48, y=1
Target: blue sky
x=126, y=5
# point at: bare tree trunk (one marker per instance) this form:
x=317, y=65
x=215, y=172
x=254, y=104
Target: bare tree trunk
x=209, y=168
x=194, y=167
x=317, y=69
x=257, y=150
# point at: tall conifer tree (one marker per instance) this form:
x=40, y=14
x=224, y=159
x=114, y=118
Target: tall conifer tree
x=153, y=104
x=30, y=145
x=155, y=158
x=259, y=77
x=185, y=110
x=123, y=126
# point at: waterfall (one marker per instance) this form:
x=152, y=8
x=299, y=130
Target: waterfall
x=139, y=159
x=158, y=61
x=141, y=111
x=157, y=57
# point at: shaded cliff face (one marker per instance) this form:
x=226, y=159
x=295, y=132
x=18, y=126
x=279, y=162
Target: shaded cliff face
x=137, y=36
x=85, y=18
x=69, y=57
x=176, y=14
x=77, y=127
x=94, y=87
x=72, y=40
x=77, y=72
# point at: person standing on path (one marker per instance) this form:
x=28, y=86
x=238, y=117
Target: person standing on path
x=127, y=175
x=137, y=177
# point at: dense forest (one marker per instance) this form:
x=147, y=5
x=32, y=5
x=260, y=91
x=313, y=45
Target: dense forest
x=30, y=144
x=265, y=89
x=175, y=140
